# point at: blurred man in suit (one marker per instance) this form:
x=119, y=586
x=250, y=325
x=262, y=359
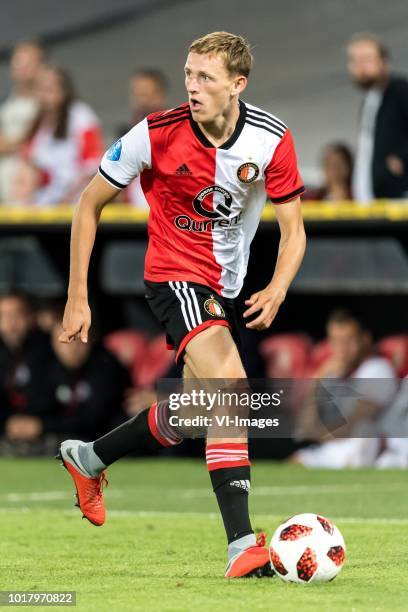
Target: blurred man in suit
x=85, y=388
x=381, y=164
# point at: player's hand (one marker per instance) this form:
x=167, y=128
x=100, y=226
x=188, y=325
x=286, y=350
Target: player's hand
x=334, y=367
x=76, y=321
x=267, y=301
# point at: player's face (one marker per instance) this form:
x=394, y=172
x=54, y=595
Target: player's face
x=50, y=90
x=347, y=342
x=335, y=166
x=365, y=65
x=145, y=92
x=25, y=64
x=211, y=89
x=15, y=321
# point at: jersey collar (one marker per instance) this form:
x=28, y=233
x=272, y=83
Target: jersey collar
x=231, y=140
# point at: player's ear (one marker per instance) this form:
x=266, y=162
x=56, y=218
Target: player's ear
x=239, y=84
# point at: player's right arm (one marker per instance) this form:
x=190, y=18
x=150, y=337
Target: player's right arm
x=77, y=315
x=125, y=159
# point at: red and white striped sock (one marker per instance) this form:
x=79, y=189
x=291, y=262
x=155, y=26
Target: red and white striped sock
x=160, y=428
x=226, y=455
x=149, y=430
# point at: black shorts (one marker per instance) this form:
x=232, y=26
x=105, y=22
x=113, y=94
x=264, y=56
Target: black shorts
x=184, y=309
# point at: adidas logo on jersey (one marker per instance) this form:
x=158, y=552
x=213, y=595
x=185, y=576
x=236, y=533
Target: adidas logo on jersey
x=183, y=170
x=241, y=484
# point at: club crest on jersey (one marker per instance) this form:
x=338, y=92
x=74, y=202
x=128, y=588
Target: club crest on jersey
x=247, y=172
x=115, y=151
x=214, y=308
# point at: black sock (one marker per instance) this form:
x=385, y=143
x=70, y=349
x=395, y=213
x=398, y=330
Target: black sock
x=231, y=486
x=132, y=435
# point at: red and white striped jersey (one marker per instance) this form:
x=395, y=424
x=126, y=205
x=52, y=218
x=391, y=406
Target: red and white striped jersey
x=205, y=201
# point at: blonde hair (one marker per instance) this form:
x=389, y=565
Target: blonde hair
x=235, y=50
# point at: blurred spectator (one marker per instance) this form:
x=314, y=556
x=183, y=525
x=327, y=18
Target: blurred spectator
x=19, y=109
x=85, y=386
x=337, y=166
x=146, y=360
x=25, y=355
x=148, y=89
x=395, y=423
x=381, y=165
x=349, y=411
x=48, y=312
x=63, y=148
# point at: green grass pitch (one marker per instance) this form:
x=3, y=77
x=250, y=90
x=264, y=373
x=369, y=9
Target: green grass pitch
x=163, y=546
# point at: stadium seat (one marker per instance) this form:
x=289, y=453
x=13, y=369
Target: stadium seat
x=156, y=363
x=286, y=355
x=329, y=266
x=395, y=348
x=147, y=360
x=121, y=275
x=130, y=348
x=26, y=267
x=122, y=268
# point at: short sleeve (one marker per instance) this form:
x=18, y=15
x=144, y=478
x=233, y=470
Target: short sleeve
x=127, y=157
x=282, y=179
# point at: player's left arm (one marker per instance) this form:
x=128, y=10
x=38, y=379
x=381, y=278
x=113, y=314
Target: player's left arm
x=283, y=185
x=291, y=250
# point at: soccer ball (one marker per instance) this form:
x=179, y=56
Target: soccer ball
x=307, y=548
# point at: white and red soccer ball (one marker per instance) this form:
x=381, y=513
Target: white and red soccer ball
x=307, y=548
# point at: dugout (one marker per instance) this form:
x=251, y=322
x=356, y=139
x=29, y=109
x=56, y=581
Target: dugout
x=369, y=243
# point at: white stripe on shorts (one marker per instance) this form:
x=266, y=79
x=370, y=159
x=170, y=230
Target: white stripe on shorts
x=183, y=305
x=197, y=307
x=184, y=289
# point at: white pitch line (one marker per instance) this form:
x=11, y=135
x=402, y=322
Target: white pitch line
x=300, y=490
x=353, y=520
x=285, y=490
x=35, y=496
x=274, y=517
x=40, y=496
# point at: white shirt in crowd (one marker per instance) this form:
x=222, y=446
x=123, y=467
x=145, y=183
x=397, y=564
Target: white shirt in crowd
x=395, y=422
x=64, y=162
x=362, y=181
x=377, y=382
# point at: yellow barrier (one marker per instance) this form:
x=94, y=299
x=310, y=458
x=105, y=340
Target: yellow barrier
x=388, y=210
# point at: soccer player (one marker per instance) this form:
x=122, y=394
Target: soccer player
x=205, y=168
